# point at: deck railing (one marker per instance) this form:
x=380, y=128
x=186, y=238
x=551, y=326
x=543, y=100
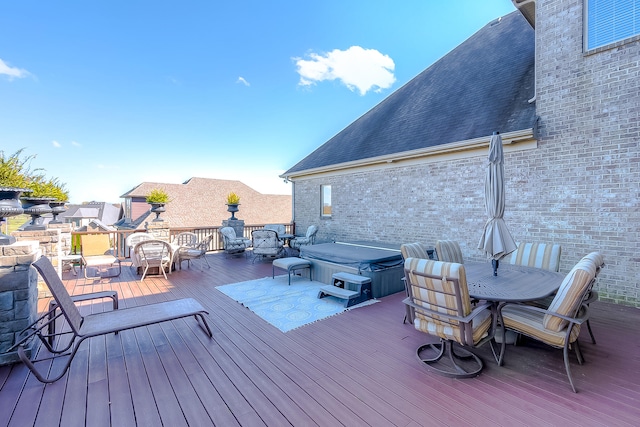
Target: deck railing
x=119, y=237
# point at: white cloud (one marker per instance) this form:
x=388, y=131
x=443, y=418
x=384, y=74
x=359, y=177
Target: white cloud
x=243, y=81
x=357, y=68
x=76, y=144
x=56, y=144
x=12, y=72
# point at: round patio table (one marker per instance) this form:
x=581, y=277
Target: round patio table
x=514, y=283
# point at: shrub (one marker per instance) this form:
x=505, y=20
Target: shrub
x=41, y=187
x=157, y=195
x=233, y=199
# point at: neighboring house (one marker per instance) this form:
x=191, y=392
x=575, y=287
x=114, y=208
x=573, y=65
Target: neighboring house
x=563, y=91
x=200, y=202
x=81, y=215
x=101, y=214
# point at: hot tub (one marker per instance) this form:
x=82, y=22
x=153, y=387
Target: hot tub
x=383, y=265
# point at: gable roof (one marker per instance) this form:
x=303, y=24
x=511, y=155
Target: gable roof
x=107, y=213
x=200, y=202
x=481, y=86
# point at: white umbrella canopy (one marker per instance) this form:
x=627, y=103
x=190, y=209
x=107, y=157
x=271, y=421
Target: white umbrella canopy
x=496, y=241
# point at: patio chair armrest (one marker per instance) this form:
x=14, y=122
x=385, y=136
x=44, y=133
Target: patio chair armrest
x=581, y=317
x=466, y=319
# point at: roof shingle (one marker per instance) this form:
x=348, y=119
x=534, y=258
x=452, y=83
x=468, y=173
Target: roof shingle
x=481, y=86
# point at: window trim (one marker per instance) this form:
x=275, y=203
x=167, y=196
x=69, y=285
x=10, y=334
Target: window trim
x=609, y=43
x=323, y=214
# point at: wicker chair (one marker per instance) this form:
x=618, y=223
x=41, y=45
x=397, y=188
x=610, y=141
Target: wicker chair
x=199, y=251
x=186, y=239
x=154, y=254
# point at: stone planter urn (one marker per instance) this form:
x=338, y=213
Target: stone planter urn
x=158, y=208
x=36, y=207
x=10, y=206
x=233, y=208
x=57, y=208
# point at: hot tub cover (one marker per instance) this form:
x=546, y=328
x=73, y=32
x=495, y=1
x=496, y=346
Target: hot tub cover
x=364, y=258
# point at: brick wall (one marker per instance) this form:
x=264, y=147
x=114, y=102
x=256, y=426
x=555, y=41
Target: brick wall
x=589, y=106
x=580, y=188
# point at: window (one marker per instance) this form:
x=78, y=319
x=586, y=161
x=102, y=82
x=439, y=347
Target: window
x=609, y=21
x=325, y=200
x=127, y=208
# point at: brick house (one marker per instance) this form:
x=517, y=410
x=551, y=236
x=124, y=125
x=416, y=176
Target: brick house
x=563, y=91
x=200, y=202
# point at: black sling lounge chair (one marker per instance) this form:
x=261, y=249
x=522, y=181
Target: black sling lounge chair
x=83, y=327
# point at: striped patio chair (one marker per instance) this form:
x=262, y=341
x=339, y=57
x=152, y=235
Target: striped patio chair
x=559, y=324
x=449, y=251
x=538, y=255
x=439, y=298
x=413, y=250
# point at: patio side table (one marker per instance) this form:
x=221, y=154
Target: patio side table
x=71, y=261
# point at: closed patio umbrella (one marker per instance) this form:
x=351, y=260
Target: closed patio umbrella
x=496, y=241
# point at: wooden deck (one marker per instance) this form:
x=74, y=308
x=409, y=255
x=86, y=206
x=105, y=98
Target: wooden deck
x=357, y=368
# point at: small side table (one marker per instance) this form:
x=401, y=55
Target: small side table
x=71, y=261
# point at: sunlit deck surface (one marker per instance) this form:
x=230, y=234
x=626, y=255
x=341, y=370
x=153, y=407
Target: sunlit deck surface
x=357, y=368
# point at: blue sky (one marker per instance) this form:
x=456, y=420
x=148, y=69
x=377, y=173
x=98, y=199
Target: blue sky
x=114, y=93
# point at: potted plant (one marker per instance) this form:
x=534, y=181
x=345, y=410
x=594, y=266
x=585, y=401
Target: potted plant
x=13, y=182
x=157, y=198
x=233, y=200
x=43, y=193
x=61, y=196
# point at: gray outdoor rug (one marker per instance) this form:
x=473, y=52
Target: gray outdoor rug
x=287, y=307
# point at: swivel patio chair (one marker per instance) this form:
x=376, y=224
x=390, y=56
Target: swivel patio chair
x=439, y=298
x=559, y=324
x=266, y=244
x=449, y=251
x=198, y=252
x=307, y=239
x=98, y=255
x=233, y=244
x=92, y=325
x=278, y=228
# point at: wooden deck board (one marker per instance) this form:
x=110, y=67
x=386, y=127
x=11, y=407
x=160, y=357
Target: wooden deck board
x=357, y=368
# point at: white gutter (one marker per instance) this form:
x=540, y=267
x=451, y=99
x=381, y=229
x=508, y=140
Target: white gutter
x=509, y=138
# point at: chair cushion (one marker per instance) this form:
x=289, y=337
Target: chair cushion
x=413, y=250
x=530, y=323
x=480, y=325
x=443, y=302
x=570, y=294
x=449, y=251
x=538, y=255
